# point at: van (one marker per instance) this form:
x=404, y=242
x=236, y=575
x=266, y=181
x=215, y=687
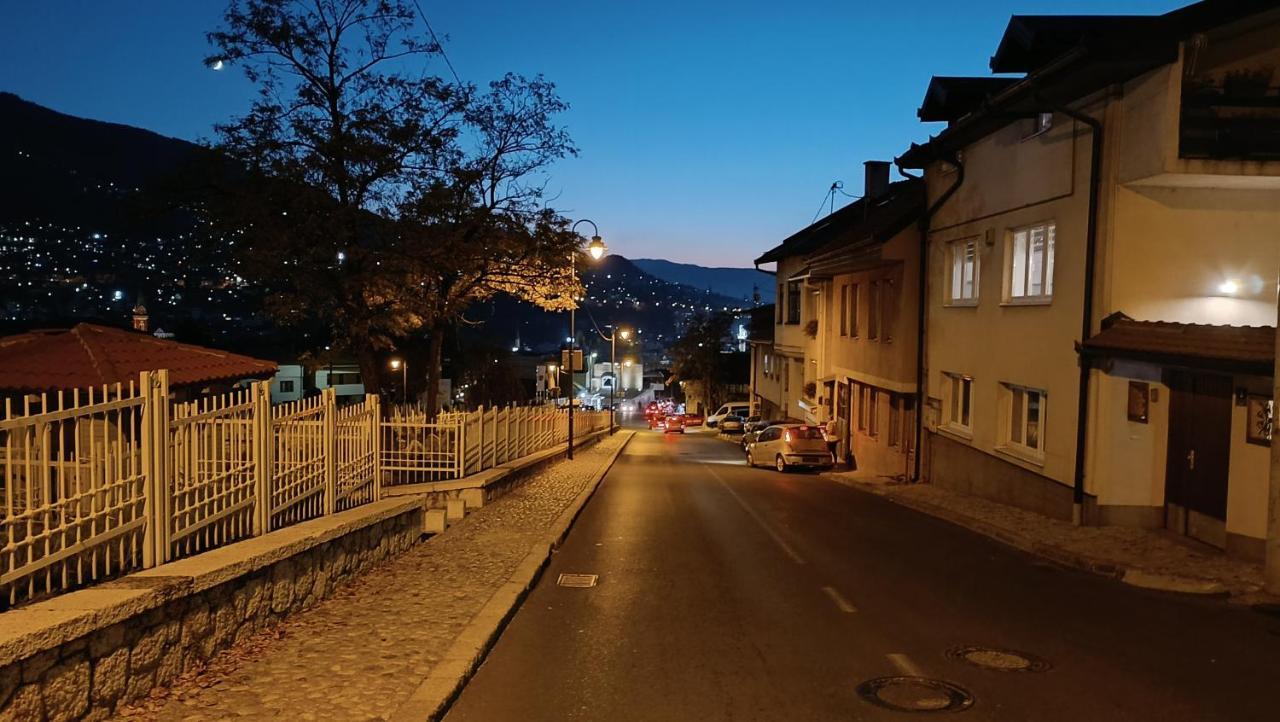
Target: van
x=733, y=408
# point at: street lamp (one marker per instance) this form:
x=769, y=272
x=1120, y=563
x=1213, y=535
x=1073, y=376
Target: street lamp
x=613, y=367
x=596, y=248
x=403, y=368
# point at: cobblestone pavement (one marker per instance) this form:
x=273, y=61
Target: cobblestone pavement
x=1155, y=552
x=359, y=654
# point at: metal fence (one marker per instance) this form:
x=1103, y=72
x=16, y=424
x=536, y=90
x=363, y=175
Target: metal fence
x=100, y=482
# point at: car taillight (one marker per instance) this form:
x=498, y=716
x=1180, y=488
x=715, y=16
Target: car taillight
x=787, y=437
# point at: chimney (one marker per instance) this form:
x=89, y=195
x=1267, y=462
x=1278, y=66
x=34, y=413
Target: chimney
x=877, y=179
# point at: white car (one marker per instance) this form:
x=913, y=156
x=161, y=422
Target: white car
x=735, y=408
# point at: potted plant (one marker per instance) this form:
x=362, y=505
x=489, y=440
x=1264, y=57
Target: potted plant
x=811, y=328
x=810, y=389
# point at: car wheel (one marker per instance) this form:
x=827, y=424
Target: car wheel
x=780, y=464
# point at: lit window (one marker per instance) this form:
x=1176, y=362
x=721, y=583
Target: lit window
x=1030, y=266
x=959, y=402
x=1024, y=412
x=963, y=262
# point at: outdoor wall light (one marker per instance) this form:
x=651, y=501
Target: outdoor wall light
x=1229, y=287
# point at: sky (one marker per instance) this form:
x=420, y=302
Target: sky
x=709, y=131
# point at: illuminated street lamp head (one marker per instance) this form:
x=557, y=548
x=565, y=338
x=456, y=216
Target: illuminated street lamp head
x=396, y=364
x=625, y=334
x=596, y=247
x=627, y=363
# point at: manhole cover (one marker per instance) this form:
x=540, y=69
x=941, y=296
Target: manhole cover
x=915, y=694
x=580, y=581
x=1000, y=660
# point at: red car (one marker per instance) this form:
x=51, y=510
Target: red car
x=673, y=423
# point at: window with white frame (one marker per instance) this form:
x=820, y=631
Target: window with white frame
x=1039, y=124
x=962, y=261
x=873, y=311
x=1030, y=265
x=959, y=402
x=873, y=416
x=1024, y=411
x=844, y=309
x=863, y=394
x=895, y=419
x=888, y=309
x=854, y=290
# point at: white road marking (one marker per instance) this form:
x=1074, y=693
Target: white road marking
x=763, y=525
x=905, y=665
x=838, y=599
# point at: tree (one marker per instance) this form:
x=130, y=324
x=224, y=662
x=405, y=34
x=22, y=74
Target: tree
x=338, y=133
x=697, y=355
x=378, y=203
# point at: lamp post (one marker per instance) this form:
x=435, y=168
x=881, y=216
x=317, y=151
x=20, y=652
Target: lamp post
x=613, y=367
x=403, y=368
x=596, y=248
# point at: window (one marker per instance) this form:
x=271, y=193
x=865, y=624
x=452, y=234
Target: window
x=1039, y=124
x=889, y=305
x=862, y=406
x=779, y=304
x=286, y=387
x=786, y=375
x=959, y=402
x=873, y=311
x=873, y=418
x=342, y=378
x=1030, y=266
x=895, y=419
x=844, y=310
x=793, y=302
x=768, y=364
x=853, y=309
x=963, y=261
x=1025, y=413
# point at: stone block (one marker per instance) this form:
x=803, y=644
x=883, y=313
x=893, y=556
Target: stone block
x=110, y=673
x=34, y=667
x=140, y=682
x=66, y=690
x=473, y=498
x=146, y=653
x=10, y=677
x=26, y=705
x=455, y=509
x=106, y=641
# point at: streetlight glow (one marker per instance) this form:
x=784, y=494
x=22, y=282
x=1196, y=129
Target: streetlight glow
x=596, y=248
x=1230, y=287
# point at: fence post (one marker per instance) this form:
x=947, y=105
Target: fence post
x=151, y=441
x=329, y=439
x=374, y=403
x=460, y=446
x=263, y=451
x=162, y=480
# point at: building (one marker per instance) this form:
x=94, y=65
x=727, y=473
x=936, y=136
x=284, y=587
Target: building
x=845, y=336
x=344, y=379
x=1102, y=270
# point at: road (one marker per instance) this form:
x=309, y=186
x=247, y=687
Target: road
x=729, y=593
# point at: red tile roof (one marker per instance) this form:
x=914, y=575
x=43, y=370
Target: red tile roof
x=89, y=355
x=1249, y=349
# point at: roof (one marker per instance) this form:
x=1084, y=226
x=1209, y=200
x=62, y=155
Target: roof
x=865, y=219
x=89, y=355
x=950, y=98
x=1244, y=349
x=1069, y=57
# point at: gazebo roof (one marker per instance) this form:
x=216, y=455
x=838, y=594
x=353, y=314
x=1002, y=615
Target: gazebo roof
x=89, y=355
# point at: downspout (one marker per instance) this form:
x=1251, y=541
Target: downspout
x=922, y=298
x=1086, y=317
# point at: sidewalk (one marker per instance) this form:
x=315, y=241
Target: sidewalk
x=1153, y=559
x=361, y=653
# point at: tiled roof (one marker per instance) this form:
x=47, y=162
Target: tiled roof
x=901, y=204
x=89, y=355
x=1250, y=349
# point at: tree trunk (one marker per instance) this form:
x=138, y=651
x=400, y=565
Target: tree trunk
x=435, y=351
x=370, y=369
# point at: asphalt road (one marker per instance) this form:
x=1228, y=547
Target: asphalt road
x=728, y=593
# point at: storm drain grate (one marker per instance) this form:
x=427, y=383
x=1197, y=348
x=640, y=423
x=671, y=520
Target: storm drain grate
x=999, y=660
x=915, y=694
x=578, y=581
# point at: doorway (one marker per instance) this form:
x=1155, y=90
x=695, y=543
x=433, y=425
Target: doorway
x=1199, y=454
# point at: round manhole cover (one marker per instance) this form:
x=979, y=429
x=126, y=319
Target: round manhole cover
x=1000, y=660
x=915, y=694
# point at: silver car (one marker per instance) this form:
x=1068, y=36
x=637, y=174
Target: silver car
x=789, y=446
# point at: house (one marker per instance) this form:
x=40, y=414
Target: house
x=289, y=384
x=344, y=379
x=845, y=338
x=1102, y=270
x=100, y=357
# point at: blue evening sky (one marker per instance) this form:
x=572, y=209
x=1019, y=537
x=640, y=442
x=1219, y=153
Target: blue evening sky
x=709, y=130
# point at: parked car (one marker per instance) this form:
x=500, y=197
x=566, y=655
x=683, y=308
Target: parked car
x=788, y=446
x=673, y=423
x=737, y=408
x=751, y=430
x=731, y=424
x=655, y=420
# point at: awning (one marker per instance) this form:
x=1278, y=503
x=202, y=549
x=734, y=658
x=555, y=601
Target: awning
x=1232, y=349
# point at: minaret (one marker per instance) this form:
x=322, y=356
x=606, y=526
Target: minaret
x=140, y=320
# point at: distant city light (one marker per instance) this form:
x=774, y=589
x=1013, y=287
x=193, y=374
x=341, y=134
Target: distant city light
x=118, y=295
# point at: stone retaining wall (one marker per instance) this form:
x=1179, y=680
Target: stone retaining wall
x=171, y=624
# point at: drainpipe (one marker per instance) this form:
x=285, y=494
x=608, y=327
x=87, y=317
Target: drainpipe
x=1086, y=317
x=922, y=298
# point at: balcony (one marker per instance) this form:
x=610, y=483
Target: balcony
x=1237, y=119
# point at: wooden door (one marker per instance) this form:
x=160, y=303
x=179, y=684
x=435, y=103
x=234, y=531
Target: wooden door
x=1199, y=442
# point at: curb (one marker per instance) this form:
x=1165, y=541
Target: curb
x=434, y=695
x=1128, y=575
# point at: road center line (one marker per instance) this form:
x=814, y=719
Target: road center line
x=763, y=525
x=838, y=599
x=904, y=664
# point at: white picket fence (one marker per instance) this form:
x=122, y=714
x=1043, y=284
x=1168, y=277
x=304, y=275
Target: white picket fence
x=100, y=482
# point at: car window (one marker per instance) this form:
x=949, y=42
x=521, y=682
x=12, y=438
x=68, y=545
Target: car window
x=769, y=434
x=723, y=410
x=806, y=432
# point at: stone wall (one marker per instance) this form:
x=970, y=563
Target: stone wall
x=88, y=676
